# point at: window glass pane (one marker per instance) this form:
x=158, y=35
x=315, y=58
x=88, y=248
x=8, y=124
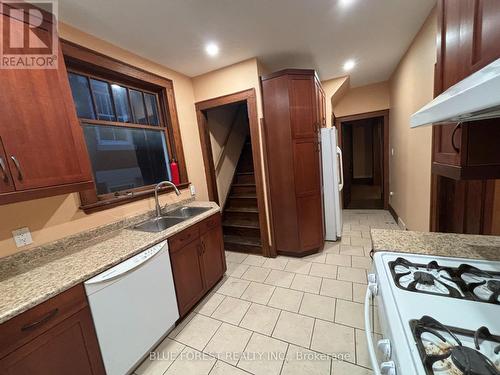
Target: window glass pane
x=122, y=105
x=126, y=158
x=152, y=109
x=81, y=96
x=138, y=107
x=102, y=97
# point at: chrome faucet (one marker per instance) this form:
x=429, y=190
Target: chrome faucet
x=157, y=203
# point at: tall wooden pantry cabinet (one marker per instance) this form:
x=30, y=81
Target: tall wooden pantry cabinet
x=294, y=112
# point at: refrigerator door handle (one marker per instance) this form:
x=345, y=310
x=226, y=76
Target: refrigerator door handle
x=341, y=183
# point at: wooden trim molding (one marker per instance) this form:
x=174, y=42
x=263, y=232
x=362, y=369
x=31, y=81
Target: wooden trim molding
x=85, y=60
x=393, y=213
x=386, y=152
x=249, y=96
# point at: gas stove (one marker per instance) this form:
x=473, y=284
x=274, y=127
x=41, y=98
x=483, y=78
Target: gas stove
x=465, y=281
x=438, y=315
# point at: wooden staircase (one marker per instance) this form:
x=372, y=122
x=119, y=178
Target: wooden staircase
x=241, y=214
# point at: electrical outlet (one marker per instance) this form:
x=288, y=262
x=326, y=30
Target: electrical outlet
x=192, y=189
x=22, y=237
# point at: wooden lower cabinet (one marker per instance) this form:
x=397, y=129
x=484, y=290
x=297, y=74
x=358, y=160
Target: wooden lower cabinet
x=198, y=261
x=56, y=337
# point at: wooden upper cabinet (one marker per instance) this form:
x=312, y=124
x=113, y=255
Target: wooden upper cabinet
x=40, y=133
x=303, y=97
x=6, y=183
x=468, y=34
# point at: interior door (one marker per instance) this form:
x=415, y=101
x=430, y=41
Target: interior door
x=347, y=163
x=6, y=183
x=41, y=135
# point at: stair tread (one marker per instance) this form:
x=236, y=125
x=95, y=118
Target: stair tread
x=241, y=223
x=249, y=241
x=243, y=185
x=244, y=173
x=244, y=196
x=242, y=209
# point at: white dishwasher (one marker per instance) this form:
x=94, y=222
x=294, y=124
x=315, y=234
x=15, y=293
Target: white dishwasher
x=133, y=306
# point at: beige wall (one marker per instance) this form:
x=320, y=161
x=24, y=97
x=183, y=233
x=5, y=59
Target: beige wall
x=334, y=89
x=374, y=97
x=56, y=217
x=411, y=86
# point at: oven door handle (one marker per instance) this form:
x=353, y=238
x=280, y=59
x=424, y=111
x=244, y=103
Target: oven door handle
x=371, y=290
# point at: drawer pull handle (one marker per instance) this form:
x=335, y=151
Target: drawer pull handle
x=45, y=319
x=5, y=177
x=453, y=137
x=18, y=167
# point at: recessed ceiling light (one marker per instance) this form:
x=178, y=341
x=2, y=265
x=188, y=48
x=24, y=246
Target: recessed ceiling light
x=346, y=3
x=349, y=65
x=212, y=49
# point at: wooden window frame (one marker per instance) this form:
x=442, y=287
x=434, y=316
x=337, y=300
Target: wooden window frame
x=84, y=61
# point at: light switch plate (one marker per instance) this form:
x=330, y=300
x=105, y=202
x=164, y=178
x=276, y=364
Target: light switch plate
x=22, y=236
x=193, y=190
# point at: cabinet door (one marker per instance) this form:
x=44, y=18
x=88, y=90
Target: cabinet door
x=310, y=217
x=6, y=183
x=41, y=135
x=302, y=107
x=188, y=277
x=306, y=164
x=70, y=347
x=213, y=251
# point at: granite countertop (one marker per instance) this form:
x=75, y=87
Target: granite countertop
x=440, y=244
x=34, y=276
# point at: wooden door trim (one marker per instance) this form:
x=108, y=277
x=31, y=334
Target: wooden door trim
x=385, y=153
x=250, y=98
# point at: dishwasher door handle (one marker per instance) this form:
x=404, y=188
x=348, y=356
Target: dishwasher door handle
x=128, y=265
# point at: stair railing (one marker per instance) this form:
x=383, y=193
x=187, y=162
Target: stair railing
x=220, y=158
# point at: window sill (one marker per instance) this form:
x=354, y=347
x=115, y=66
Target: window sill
x=124, y=199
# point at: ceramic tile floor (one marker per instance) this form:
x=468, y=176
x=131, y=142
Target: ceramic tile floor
x=283, y=315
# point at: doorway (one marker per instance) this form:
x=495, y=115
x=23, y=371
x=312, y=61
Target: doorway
x=232, y=161
x=364, y=142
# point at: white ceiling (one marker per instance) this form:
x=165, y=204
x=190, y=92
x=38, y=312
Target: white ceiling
x=319, y=34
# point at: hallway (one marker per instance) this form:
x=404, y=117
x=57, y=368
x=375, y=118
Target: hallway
x=283, y=315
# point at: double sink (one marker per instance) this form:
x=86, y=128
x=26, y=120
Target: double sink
x=171, y=218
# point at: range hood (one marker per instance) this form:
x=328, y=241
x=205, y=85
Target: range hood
x=477, y=97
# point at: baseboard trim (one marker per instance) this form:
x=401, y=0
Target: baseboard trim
x=393, y=213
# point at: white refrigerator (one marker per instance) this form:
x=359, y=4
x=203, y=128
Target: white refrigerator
x=333, y=182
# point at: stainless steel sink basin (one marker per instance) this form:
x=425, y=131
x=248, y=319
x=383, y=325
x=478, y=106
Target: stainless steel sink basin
x=158, y=224
x=186, y=212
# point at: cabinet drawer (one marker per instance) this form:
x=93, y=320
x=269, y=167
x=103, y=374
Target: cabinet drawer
x=181, y=239
x=210, y=223
x=28, y=325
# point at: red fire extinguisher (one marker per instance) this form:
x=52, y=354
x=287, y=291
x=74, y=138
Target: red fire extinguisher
x=174, y=169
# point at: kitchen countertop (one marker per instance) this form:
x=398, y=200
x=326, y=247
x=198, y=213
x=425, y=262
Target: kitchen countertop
x=32, y=277
x=440, y=244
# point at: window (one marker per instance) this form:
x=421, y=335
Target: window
x=125, y=133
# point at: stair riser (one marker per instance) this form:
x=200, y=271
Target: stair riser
x=243, y=232
x=245, y=179
x=241, y=215
x=241, y=202
x=242, y=248
x=235, y=190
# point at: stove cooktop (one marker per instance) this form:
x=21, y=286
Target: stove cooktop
x=463, y=282
x=449, y=350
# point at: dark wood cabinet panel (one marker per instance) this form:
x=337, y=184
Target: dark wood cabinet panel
x=198, y=261
x=213, y=258
x=41, y=136
x=294, y=112
x=6, y=183
x=70, y=347
x=306, y=160
x=305, y=122
x=188, y=276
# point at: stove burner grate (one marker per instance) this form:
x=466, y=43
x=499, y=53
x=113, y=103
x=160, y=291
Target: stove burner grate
x=470, y=361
